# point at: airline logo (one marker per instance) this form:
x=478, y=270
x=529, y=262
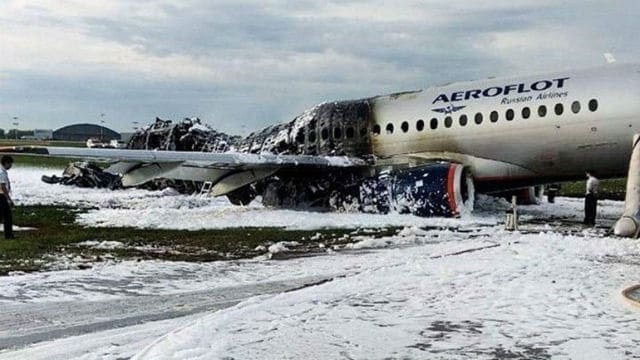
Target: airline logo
x=450, y=109
x=512, y=93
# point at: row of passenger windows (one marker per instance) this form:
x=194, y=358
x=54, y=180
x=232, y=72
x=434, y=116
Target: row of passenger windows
x=349, y=133
x=494, y=116
x=463, y=120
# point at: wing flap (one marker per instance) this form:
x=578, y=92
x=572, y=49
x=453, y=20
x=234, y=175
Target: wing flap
x=238, y=180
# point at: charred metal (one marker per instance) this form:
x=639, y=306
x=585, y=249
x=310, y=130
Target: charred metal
x=329, y=129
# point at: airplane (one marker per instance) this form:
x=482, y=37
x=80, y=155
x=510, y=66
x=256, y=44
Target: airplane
x=422, y=152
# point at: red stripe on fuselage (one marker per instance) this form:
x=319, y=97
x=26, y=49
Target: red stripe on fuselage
x=451, y=193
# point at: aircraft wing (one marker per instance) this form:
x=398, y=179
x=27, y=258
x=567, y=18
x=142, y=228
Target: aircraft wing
x=226, y=171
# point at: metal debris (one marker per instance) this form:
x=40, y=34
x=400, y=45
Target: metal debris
x=187, y=135
x=86, y=175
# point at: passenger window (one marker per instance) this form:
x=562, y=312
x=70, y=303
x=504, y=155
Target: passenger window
x=312, y=136
x=350, y=132
x=389, y=128
x=510, y=114
x=593, y=105
x=448, y=121
x=575, y=107
x=542, y=111
x=325, y=134
x=478, y=118
x=463, y=120
x=337, y=133
x=420, y=125
x=526, y=113
x=376, y=129
x=559, y=109
x=405, y=126
x=434, y=124
x=494, y=116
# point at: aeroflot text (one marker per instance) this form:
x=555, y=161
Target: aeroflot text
x=494, y=91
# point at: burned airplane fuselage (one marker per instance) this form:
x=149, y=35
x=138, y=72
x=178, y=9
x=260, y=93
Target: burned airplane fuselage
x=330, y=129
x=412, y=151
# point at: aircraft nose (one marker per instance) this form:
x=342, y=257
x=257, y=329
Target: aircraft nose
x=626, y=227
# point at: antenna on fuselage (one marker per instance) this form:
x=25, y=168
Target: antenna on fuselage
x=610, y=58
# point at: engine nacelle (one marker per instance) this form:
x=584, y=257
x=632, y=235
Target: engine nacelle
x=434, y=190
x=441, y=189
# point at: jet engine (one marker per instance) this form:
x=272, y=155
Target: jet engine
x=434, y=190
x=440, y=189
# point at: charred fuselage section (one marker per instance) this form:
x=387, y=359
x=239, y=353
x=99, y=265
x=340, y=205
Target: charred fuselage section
x=187, y=135
x=329, y=129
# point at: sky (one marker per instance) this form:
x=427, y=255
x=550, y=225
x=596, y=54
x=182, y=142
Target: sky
x=242, y=65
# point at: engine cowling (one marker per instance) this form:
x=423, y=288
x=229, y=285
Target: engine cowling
x=433, y=190
x=441, y=189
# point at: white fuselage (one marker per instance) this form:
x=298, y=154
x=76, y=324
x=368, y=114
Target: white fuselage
x=572, y=136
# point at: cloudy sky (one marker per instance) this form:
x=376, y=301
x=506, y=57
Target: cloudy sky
x=240, y=65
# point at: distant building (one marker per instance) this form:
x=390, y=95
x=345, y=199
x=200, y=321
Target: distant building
x=43, y=134
x=84, y=132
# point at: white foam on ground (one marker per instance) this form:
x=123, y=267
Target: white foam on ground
x=534, y=295
x=423, y=293
x=168, y=210
x=28, y=189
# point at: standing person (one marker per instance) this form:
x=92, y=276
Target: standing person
x=5, y=196
x=591, y=198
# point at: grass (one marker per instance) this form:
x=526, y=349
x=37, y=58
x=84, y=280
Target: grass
x=57, y=234
x=44, y=161
x=41, y=161
x=613, y=189
x=20, y=142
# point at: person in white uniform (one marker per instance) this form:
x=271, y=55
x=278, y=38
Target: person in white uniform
x=6, y=202
x=591, y=199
